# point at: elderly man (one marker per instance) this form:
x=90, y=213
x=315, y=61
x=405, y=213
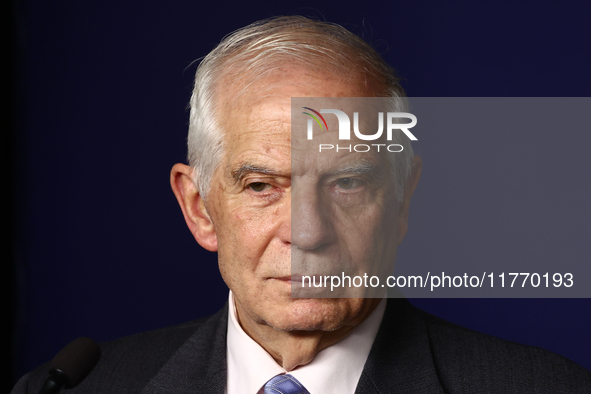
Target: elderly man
x=237, y=198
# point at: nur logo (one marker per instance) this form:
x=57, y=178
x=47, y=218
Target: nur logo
x=345, y=128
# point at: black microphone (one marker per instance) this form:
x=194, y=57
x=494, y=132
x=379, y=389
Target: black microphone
x=71, y=365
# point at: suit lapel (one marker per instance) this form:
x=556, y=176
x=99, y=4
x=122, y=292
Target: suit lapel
x=400, y=360
x=199, y=365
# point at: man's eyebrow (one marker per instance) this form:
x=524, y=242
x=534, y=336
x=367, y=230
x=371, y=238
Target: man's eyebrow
x=246, y=169
x=364, y=167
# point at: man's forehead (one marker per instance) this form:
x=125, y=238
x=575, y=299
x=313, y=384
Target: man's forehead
x=256, y=120
x=293, y=80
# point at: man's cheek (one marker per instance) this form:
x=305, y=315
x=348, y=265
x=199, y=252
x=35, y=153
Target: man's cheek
x=256, y=224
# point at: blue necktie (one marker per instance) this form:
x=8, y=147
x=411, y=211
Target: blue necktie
x=284, y=384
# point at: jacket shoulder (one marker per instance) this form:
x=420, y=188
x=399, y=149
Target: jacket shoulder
x=127, y=364
x=467, y=360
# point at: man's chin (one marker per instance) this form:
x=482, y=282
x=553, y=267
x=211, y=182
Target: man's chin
x=314, y=314
x=299, y=291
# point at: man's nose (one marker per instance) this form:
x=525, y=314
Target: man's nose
x=311, y=226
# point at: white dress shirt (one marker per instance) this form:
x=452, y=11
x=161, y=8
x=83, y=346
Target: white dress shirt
x=336, y=369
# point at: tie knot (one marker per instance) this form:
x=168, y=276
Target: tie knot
x=284, y=384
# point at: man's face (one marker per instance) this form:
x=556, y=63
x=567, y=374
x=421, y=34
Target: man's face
x=340, y=216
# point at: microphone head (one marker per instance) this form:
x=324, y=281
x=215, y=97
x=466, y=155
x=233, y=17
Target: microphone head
x=76, y=360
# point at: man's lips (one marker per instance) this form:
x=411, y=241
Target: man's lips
x=298, y=278
x=290, y=278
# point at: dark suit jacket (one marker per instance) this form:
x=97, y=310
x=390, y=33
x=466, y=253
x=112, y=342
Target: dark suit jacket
x=414, y=352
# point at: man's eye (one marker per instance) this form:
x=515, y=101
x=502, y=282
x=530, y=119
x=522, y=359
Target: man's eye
x=258, y=186
x=348, y=183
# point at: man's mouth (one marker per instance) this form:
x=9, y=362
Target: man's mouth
x=297, y=278
x=290, y=278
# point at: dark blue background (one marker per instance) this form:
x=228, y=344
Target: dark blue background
x=99, y=245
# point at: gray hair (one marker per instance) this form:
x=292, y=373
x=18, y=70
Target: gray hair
x=260, y=48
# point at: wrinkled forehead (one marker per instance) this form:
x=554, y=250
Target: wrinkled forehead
x=263, y=110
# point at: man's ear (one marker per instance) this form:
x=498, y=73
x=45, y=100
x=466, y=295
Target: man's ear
x=411, y=185
x=193, y=207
